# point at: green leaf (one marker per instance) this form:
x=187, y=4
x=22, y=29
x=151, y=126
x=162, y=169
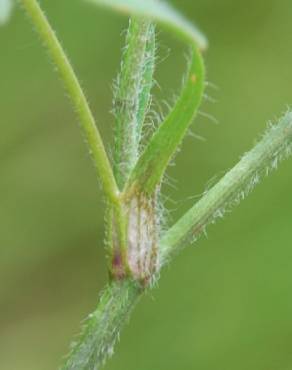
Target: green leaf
x=161, y=12
x=151, y=166
x=5, y=11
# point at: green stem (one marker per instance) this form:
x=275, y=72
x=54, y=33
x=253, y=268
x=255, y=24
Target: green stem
x=102, y=328
x=77, y=96
x=275, y=146
x=147, y=81
x=131, y=103
x=132, y=96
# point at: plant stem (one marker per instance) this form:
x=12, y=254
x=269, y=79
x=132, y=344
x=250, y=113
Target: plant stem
x=275, y=146
x=130, y=210
x=132, y=95
x=126, y=226
x=102, y=328
x=147, y=81
x=77, y=96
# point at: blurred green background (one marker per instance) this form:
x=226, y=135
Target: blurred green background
x=226, y=302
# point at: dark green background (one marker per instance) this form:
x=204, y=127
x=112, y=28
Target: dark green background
x=225, y=303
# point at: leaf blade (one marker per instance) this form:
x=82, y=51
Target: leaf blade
x=152, y=164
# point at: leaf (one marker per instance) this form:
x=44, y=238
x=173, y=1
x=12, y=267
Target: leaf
x=151, y=166
x=5, y=11
x=161, y=12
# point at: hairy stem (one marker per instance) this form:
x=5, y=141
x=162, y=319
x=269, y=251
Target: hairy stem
x=77, y=96
x=127, y=228
x=133, y=226
x=147, y=81
x=132, y=95
x=275, y=146
x=101, y=329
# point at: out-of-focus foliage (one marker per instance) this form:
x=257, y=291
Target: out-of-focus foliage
x=226, y=302
x=5, y=10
